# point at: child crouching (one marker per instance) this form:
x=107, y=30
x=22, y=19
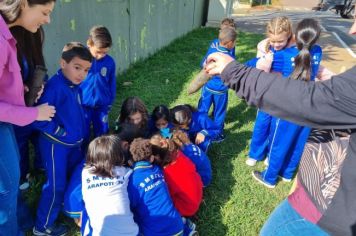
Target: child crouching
x=104, y=187
x=151, y=204
x=184, y=183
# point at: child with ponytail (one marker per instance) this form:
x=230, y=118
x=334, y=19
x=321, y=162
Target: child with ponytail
x=286, y=139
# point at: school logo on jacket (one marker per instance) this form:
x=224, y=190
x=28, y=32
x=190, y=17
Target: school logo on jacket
x=104, y=71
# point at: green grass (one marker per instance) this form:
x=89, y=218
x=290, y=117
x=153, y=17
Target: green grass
x=234, y=204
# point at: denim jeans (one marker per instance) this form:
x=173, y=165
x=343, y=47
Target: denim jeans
x=284, y=220
x=9, y=180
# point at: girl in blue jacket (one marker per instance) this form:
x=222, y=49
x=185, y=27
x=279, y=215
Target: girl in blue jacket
x=200, y=128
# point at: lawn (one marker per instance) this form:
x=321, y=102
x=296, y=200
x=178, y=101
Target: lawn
x=234, y=204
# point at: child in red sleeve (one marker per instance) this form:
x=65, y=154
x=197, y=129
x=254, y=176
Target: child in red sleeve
x=184, y=183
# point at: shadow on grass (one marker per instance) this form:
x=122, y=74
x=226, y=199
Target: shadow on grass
x=161, y=79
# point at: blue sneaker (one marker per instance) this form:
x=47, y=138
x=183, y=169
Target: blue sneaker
x=189, y=227
x=57, y=230
x=219, y=138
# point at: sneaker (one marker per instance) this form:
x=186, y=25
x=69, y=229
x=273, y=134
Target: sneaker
x=251, y=162
x=285, y=179
x=58, y=230
x=193, y=233
x=257, y=176
x=266, y=161
x=219, y=138
x=189, y=223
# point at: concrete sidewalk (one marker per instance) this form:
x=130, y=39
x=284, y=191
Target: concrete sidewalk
x=335, y=57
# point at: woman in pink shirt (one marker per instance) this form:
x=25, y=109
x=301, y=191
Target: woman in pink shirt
x=29, y=14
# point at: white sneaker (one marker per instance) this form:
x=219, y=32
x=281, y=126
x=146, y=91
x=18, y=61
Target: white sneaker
x=285, y=179
x=251, y=162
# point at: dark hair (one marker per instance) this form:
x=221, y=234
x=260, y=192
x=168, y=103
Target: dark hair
x=29, y=47
x=160, y=112
x=131, y=106
x=128, y=132
x=76, y=49
x=141, y=150
x=11, y=10
x=163, y=155
x=100, y=37
x=306, y=35
x=181, y=114
x=104, y=153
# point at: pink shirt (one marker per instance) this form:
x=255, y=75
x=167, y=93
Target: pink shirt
x=12, y=104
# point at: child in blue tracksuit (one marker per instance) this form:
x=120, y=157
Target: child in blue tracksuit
x=287, y=140
x=199, y=127
x=279, y=36
x=214, y=92
x=197, y=156
x=226, y=22
x=150, y=201
x=160, y=122
x=61, y=138
x=99, y=87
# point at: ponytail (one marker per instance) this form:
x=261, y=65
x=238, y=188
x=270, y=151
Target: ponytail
x=306, y=35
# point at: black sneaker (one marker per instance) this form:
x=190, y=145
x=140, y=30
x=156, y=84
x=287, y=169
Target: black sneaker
x=58, y=230
x=219, y=138
x=257, y=176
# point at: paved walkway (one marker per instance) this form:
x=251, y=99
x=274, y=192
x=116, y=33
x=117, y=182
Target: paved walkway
x=335, y=56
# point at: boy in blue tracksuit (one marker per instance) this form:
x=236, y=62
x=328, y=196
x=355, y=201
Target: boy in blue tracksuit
x=150, y=201
x=214, y=92
x=61, y=138
x=286, y=139
x=99, y=87
x=226, y=22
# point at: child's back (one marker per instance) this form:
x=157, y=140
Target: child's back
x=151, y=203
x=184, y=184
x=107, y=202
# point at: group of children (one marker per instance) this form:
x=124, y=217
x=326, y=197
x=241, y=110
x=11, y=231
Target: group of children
x=148, y=177
x=278, y=141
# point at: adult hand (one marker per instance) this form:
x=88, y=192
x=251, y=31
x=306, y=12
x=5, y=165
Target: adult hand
x=216, y=63
x=199, y=138
x=45, y=112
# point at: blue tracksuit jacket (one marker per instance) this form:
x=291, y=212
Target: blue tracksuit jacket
x=285, y=140
x=214, y=92
x=151, y=203
x=200, y=160
x=60, y=145
x=98, y=93
x=201, y=123
x=68, y=125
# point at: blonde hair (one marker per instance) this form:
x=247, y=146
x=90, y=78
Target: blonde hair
x=10, y=10
x=227, y=22
x=279, y=25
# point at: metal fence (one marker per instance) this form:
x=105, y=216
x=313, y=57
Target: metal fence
x=138, y=27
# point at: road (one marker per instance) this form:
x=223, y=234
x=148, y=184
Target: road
x=339, y=47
